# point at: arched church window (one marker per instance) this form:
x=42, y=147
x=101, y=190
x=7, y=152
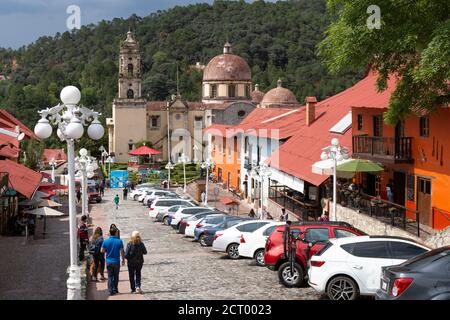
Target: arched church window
x=130, y=94
x=130, y=69
x=232, y=90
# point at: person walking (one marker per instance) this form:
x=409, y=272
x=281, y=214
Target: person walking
x=116, y=201
x=102, y=189
x=113, y=248
x=252, y=214
x=115, y=227
x=134, y=254
x=78, y=196
x=284, y=215
x=97, y=255
x=125, y=193
x=390, y=190
x=83, y=236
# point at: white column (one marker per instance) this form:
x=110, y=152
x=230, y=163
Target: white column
x=74, y=281
x=206, y=185
x=333, y=218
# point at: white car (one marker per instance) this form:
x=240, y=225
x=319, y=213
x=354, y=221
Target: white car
x=163, y=205
x=134, y=195
x=228, y=240
x=252, y=245
x=348, y=267
x=153, y=194
x=186, y=212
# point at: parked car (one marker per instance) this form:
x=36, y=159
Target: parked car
x=314, y=232
x=209, y=220
x=134, y=195
x=228, y=240
x=93, y=194
x=210, y=233
x=163, y=204
x=160, y=216
x=194, y=219
x=252, y=245
x=424, y=277
x=152, y=195
x=184, y=213
x=349, y=267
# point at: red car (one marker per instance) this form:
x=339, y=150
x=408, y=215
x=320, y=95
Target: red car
x=316, y=233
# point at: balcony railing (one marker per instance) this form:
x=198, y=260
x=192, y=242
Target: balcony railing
x=390, y=149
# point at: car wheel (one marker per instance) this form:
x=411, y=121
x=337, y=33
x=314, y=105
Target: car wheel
x=135, y=198
x=202, y=240
x=290, y=280
x=342, y=288
x=233, y=251
x=259, y=257
x=166, y=221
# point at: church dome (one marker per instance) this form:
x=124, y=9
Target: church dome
x=279, y=96
x=257, y=95
x=227, y=67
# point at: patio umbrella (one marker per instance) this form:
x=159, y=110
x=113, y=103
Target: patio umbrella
x=143, y=151
x=45, y=212
x=359, y=165
x=325, y=167
x=49, y=203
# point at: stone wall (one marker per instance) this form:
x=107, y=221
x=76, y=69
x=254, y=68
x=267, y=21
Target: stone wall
x=375, y=227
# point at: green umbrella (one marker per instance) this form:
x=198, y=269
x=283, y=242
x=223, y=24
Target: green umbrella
x=359, y=165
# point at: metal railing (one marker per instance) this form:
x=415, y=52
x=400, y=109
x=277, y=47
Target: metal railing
x=385, y=211
x=301, y=209
x=396, y=148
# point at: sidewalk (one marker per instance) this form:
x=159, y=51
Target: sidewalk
x=102, y=216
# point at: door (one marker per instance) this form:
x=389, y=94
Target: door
x=219, y=175
x=399, y=133
x=424, y=201
x=370, y=184
x=365, y=261
x=399, y=187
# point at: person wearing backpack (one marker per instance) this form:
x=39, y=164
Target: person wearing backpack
x=98, y=257
x=134, y=253
x=83, y=236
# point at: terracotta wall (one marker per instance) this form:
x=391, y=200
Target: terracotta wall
x=226, y=161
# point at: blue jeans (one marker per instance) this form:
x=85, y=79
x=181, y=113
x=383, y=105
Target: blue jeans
x=113, y=277
x=134, y=272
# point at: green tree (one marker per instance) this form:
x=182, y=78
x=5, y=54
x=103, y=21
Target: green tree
x=34, y=150
x=413, y=42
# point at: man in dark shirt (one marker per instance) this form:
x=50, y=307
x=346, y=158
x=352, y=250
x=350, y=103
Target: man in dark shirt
x=83, y=236
x=113, y=247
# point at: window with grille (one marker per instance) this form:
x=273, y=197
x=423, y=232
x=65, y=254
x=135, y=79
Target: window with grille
x=424, y=126
x=231, y=90
x=360, y=121
x=247, y=91
x=213, y=93
x=378, y=126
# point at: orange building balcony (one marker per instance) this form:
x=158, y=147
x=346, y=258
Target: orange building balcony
x=384, y=149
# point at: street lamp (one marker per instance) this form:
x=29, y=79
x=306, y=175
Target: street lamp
x=195, y=148
x=70, y=120
x=335, y=152
x=169, y=166
x=207, y=164
x=109, y=160
x=86, y=167
x=53, y=163
x=183, y=159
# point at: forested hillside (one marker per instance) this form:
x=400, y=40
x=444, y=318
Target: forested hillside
x=277, y=39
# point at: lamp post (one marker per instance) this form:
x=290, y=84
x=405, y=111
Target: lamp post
x=52, y=163
x=169, y=166
x=207, y=164
x=109, y=160
x=335, y=152
x=195, y=149
x=70, y=119
x=260, y=172
x=183, y=159
x=86, y=167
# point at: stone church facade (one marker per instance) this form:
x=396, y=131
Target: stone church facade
x=227, y=98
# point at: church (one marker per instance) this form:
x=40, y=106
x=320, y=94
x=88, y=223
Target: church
x=227, y=98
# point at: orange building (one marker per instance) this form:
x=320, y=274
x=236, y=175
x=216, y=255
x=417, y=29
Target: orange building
x=416, y=155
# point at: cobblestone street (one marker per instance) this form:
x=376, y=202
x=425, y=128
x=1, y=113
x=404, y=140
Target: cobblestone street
x=178, y=268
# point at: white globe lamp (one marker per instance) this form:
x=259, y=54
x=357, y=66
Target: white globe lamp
x=323, y=156
x=75, y=129
x=335, y=142
x=96, y=130
x=70, y=95
x=83, y=152
x=43, y=129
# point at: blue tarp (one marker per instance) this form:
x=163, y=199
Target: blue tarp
x=118, y=178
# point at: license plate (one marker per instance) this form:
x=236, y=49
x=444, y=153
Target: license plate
x=384, y=285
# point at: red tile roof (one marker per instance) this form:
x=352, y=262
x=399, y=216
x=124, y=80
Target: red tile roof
x=58, y=154
x=7, y=120
x=9, y=146
x=22, y=179
x=297, y=155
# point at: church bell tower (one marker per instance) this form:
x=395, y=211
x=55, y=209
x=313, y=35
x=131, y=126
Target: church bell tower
x=129, y=69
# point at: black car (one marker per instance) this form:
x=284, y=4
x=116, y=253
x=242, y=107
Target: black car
x=424, y=277
x=194, y=217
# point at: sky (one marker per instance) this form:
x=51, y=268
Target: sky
x=24, y=21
